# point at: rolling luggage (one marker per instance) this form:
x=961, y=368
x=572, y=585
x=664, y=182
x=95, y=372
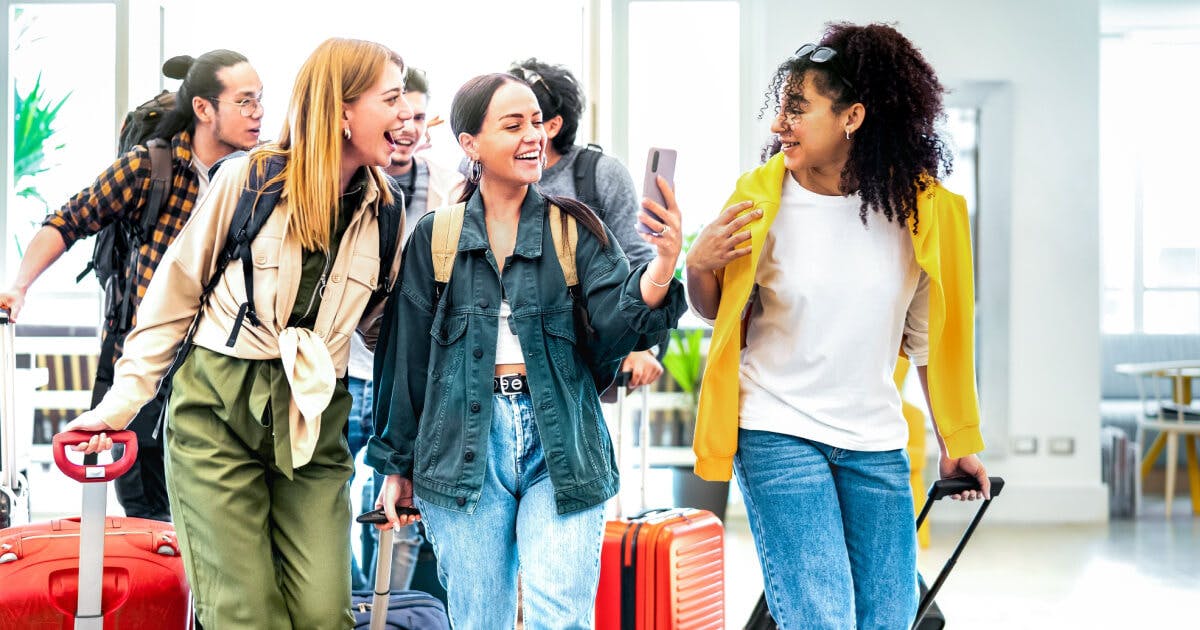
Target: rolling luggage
x=96, y=571
x=929, y=616
x=660, y=569
x=14, y=491
x=382, y=609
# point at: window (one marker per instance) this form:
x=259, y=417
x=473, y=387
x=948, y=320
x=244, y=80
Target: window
x=1150, y=227
x=451, y=42
x=686, y=97
x=82, y=145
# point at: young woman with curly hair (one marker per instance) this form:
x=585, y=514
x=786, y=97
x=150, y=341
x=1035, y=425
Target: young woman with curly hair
x=836, y=255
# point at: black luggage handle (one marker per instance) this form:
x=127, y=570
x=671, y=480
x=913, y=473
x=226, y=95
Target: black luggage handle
x=940, y=490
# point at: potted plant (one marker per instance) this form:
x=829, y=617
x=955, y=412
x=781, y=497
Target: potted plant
x=33, y=127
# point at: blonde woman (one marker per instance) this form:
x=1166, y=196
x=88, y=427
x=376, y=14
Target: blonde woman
x=257, y=467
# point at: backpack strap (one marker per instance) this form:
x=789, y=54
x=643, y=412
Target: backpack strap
x=160, y=186
x=447, y=228
x=253, y=209
x=565, y=233
x=584, y=170
x=391, y=228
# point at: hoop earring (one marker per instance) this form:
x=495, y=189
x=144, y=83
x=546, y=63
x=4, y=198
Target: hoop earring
x=346, y=133
x=474, y=171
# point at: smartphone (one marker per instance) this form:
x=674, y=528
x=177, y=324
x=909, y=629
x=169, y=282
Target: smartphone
x=378, y=517
x=658, y=162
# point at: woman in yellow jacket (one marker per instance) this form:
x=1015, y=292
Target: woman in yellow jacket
x=836, y=255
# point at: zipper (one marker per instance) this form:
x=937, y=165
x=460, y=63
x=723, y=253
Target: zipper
x=320, y=288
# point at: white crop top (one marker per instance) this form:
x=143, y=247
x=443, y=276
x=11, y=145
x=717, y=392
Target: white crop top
x=508, y=346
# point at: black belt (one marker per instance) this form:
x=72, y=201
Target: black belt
x=510, y=384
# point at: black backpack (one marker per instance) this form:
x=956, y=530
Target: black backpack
x=584, y=170
x=115, y=252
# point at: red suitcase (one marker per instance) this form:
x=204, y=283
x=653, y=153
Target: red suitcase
x=93, y=571
x=661, y=569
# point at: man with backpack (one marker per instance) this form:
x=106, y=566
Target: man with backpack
x=587, y=174
x=137, y=206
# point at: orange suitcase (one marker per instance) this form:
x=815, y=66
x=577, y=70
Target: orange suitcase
x=661, y=569
x=664, y=569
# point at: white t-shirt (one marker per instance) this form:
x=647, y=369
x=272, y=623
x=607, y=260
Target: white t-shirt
x=833, y=301
x=201, y=170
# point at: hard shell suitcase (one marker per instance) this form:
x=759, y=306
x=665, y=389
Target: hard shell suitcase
x=660, y=569
x=383, y=609
x=93, y=572
x=929, y=616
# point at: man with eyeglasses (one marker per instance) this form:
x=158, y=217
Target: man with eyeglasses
x=218, y=111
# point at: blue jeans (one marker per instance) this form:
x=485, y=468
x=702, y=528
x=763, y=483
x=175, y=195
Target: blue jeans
x=516, y=528
x=407, y=541
x=834, y=530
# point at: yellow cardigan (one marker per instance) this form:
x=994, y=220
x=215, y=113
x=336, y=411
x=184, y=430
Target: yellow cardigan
x=943, y=250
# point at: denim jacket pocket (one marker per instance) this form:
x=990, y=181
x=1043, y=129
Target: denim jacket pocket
x=560, y=342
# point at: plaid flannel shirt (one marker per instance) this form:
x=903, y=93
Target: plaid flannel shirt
x=120, y=193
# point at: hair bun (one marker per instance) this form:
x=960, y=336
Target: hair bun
x=177, y=67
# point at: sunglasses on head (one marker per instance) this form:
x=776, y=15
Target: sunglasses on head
x=824, y=54
x=534, y=80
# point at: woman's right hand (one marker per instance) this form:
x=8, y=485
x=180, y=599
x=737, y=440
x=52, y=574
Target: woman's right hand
x=397, y=490
x=723, y=240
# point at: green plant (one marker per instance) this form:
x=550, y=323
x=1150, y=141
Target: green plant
x=683, y=359
x=33, y=128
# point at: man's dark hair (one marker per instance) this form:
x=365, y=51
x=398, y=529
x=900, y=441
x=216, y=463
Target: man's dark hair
x=199, y=79
x=415, y=81
x=558, y=94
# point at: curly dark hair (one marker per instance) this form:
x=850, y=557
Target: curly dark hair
x=558, y=94
x=897, y=148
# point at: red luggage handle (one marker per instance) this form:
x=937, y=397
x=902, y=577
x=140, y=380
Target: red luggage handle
x=94, y=473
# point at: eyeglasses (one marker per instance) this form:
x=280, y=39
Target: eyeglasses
x=533, y=78
x=248, y=106
x=824, y=54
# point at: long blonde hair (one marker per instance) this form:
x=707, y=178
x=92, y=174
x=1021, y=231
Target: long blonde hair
x=336, y=73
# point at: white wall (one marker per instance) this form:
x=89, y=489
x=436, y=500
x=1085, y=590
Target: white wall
x=1047, y=55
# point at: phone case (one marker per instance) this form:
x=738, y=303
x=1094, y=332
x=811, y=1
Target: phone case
x=658, y=162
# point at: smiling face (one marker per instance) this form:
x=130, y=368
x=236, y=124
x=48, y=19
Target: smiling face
x=812, y=134
x=413, y=132
x=511, y=143
x=375, y=120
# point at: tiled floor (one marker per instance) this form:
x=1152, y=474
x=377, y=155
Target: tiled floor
x=1124, y=574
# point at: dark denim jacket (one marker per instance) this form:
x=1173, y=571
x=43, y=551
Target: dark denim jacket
x=434, y=361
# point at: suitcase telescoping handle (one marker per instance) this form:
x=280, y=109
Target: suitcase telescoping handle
x=8, y=424
x=94, y=473
x=93, y=476
x=939, y=490
x=381, y=594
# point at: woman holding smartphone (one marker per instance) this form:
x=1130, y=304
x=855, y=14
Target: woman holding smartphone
x=837, y=254
x=257, y=464
x=487, y=386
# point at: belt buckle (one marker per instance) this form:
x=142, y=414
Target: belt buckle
x=508, y=384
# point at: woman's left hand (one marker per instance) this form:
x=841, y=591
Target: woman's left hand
x=668, y=232
x=969, y=466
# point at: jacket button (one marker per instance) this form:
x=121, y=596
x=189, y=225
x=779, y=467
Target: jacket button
x=482, y=303
x=478, y=353
x=461, y=501
x=470, y=456
x=335, y=278
x=475, y=407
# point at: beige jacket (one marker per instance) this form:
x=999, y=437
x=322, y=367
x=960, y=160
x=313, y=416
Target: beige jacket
x=312, y=359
